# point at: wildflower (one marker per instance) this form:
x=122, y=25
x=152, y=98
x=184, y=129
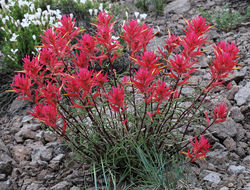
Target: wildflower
x=34, y=37
x=136, y=14
x=220, y=113
x=148, y=60
x=172, y=42
x=144, y=79
x=143, y=16
x=22, y=85
x=199, y=149
x=181, y=66
x=162, y=91
x=198, y=25
x=115, y=98
x=90, y=12
x=48, y=114
x=13, y=38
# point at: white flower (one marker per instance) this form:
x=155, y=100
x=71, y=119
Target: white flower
x=101, y=7
x=11, y=58
x=83, y=1
x=158, y=28
x=10, y=31
x=136, y=14
x=34, y=37
x=71, y=15
x=2, y=28
x=138, y=20
x=110, y=5
x=123, y=22
x=32, y=7
x=14, y=51
x=39, y=10
x=4, y=21
x=7, y=17
x=90, y=12
x=13, y=38
x=126, y=14
x=143, y=16
x=48, y=7
x=95, y=12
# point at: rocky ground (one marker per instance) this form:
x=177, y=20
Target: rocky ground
x=35, y=159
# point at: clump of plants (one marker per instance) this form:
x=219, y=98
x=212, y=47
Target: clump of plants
x=133, y=125
x=155, y=5
x=225, y=19
x=21, y=24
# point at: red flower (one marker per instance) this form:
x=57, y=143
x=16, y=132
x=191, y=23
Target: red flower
x=115, y=98
x=220, y=113
x=198, y=25
x=199, y=149
x=84, y=77
x=22, y=85
x=67, y=28
x=172, y=42
x=146, y=35
x=162, y=91
x=144, y=79
x=50, y=93
x=81, y=60
x=100, y=79
x=181, y=66
x=87, y=45
x=46, y=113
x=103, y=19
x=148, y=60
x=132, y=33
x=72, y=86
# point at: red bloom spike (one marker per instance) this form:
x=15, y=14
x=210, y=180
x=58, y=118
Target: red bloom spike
x=172, y=42
x=67, y=28
x=220, y=113
x=162, y=92
x=199, y=149
x=198, y=25
x=132, y=33
x=46, y=113
x=115, y=98
x=146, y=35
x=22, y=85
x=148, y=60
x=103, y=19
x=143, y=82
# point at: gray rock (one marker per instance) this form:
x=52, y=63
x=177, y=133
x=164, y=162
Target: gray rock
x=5, y=185
x=49, y=136
x=236, y=169
x=243, y=95
x=21, y=153
x=236, y=114
x=213, y=177
x=64, y=185
x=27, y=118
x=231, y=93
x=230, y=144
x=2, y=177
x=225, y=129
x=74, y=188
x=177, y=6
x=224, y=188
x=5, y=167
x=33, y=186
x=246, y=161
x=240, y=151
x=46, y=155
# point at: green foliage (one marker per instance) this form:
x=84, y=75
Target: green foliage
x=155, y=5
x=225, y=19
x=20, y=28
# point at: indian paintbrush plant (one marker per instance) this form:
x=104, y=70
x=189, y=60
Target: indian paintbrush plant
x=108, y=118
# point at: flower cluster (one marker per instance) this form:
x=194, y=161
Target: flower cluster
x=199, y=149
x=69, y=81
x=22, y=22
